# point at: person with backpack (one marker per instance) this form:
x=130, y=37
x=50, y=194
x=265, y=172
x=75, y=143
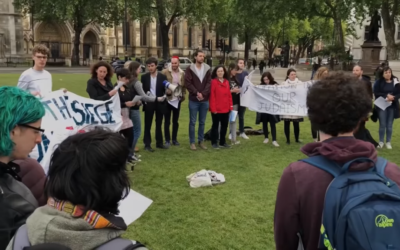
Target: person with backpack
x=21, y=118
x=86, y=181
x=343, y=196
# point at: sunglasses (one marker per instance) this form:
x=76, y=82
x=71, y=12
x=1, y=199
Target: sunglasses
x=31, y=127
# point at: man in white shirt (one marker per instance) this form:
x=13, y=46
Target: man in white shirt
x=37, y=80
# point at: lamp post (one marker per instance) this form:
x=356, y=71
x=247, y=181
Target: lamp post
x=125, y=27
x=33, y=31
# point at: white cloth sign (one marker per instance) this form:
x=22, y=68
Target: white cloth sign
x=68, y=114
x=275, y=99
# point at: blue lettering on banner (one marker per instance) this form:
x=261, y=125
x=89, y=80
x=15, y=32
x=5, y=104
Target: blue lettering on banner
x=76, y=110
x=92, y=121
x=46, y=106
x=62, y=107
x=109, y=112
x=42, y=147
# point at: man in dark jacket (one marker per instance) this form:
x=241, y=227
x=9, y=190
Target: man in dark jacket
x=198, y=84
x=301, y=191
x=362, y=132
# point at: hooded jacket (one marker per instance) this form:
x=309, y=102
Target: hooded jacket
x=301, y=191
x=194, y=85
x=168, y=73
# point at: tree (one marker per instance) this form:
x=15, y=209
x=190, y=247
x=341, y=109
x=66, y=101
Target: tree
x=166, y=12
x=78, y=12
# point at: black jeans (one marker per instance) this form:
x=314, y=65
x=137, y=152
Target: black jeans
x=150, y=110
x=222, y=118
x=241, y=112
x=265, y=120
x=174, y=112
x=296, y=127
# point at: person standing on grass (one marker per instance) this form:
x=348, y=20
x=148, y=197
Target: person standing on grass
x=319, y=75
x=292, y=79
x=336, y=106
x=176, y=76
x=265, y=118
x=100, y=87
x=235, y=90
x=362, y=132
x=220, y=106
x=388, y=88
x=153, y=84
x=240, y=76
x=198, y=84
x=37, y=80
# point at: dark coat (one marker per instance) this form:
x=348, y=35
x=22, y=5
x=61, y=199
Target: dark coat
x=194, y=85
x=160, y=89
x=378, y=92
x=97, y=91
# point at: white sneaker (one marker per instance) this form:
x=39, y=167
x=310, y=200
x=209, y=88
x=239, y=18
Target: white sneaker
x=235, y=142
x=381, y=144
x=275, y=143
x=244, y=136
x=230, y=136
x=388, y=145
x=266, y=140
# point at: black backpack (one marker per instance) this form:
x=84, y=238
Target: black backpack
x=21, y=242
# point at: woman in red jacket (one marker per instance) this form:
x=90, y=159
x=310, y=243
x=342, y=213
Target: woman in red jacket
x=220, y=106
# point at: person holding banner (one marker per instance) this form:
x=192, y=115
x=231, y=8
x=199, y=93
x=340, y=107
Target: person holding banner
x=100, y=87
x=21, y=118
x=220, y=106
x=291, y=78
x=235, y=90
x=240, y=76
x=265, y=118
x=37, y=80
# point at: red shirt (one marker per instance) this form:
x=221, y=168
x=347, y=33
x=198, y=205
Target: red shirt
x=220, y=96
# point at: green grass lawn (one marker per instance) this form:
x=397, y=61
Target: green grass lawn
x=236, y=215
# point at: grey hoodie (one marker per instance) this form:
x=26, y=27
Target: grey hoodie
x=49, y=225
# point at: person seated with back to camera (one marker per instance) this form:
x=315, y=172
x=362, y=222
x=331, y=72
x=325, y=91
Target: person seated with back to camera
x=82, y=208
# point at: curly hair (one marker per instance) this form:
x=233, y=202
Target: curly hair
x=16, y=107
x=336, y=104
x=40, y=48
x=319, y=74
x=110, y=70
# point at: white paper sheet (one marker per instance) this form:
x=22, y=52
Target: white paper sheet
x=133, y=206
x=137, y=98
x=232, y=116
x=119, y=85
x=381, y=103
x=174, y=103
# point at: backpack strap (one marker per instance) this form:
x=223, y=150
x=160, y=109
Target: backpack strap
x=381, y=166
x=21, y=239
x=323, y=163
x=120, y=244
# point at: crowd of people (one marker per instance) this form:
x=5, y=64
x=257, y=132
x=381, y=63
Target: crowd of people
x=58, y=210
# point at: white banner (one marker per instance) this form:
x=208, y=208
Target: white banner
x=275, y=99
x=67, y=114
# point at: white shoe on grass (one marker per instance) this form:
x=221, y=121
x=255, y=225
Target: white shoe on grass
x=244, y=136
x=381, y=144
x=266, y=140
x=275, y=143
x=388, y=145
x=230, y=136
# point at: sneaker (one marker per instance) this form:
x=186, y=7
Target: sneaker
x=235, y=142
x=388, y=145
x=244, y=136
x=381, y=144
x=215, y=146
x=266, y=140
x=176, y=143
x=230, y=136
x=134, y=159
x=202, y=146
x=137, y=155
x=193, y=146
x=167, y=144
x=225, y=146
x=275, y=143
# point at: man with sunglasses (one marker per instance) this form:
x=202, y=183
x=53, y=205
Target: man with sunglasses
x=37, y=80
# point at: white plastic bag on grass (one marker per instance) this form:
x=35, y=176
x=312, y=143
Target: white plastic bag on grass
x=199, y=179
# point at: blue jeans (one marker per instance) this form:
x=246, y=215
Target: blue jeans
x=137, y=126
x=200, y=108
x=386, y=118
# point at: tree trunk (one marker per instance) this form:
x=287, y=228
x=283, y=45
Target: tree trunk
x=77, y=43
x=339, y=36
x=389, y=27
x=247, y=46
x=164, y=28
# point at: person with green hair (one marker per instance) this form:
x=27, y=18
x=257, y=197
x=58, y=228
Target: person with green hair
x=21, y=117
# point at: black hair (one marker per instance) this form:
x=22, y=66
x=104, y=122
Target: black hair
x=197, y=52
x=151, y=60
x=123, y=73
x=95, y=67
x=337, y=103
x=270, y=78
x=384, y=69
x=88, y=169
x=214, y=72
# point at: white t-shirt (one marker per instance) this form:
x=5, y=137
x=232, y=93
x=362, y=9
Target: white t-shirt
x=34, y=80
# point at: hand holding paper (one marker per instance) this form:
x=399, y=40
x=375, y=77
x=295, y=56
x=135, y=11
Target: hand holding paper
x=382, y=103
x=133, y=206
